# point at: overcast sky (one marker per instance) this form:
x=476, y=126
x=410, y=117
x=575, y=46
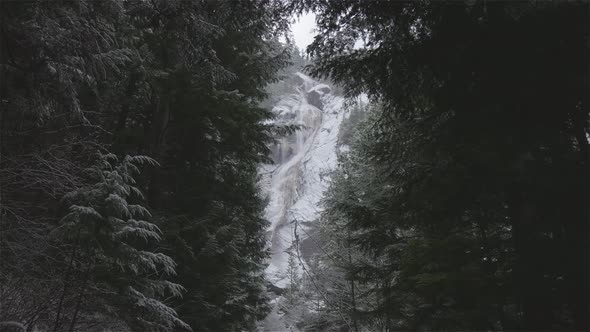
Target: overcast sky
x=302, y=30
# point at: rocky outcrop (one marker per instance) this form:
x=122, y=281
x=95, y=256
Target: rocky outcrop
x=274, y=289
x=315, y=94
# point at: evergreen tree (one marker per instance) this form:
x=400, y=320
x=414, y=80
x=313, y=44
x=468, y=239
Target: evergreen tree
x=177, y=81
x=293, y=278
x=484, y=126
x=110, y=247
x=52, y=57
x=200, y=110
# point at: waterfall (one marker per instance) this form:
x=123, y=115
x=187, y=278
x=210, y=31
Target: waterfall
x=298, y=178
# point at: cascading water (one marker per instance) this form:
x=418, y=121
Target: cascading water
x=297, y=180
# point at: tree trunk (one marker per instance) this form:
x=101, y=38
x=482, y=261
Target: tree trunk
x=79, y=299
x=353, y=299
x=160, y=118
x=64, y=291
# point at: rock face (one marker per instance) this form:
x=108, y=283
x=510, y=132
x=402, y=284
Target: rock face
x=296, y=182
x=315, y=94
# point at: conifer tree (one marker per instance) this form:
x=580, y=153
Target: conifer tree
x=177, y=81
x=473, y=151
x=108, y=240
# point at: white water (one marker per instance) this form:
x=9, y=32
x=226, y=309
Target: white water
x=296, y=182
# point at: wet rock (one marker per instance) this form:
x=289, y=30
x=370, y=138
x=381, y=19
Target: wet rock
x=299, y=81
x=314, y=97
x=274, y=289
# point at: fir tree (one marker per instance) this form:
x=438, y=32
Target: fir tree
x=110, y=241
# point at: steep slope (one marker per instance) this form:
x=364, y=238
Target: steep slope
x=296, y=181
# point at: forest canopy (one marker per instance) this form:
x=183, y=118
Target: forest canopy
x=132, y=132
x=464, y=200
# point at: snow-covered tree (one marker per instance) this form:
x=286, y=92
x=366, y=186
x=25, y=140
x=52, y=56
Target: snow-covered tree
x=108, y=241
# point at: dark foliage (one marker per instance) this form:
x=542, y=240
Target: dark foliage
x=178, y=81
x=469, y=188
